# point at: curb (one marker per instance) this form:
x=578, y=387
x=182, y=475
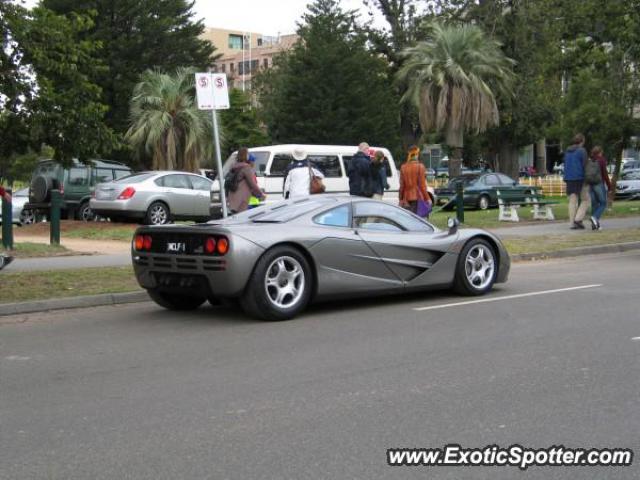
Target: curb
x=73, y=302
x=578, y=251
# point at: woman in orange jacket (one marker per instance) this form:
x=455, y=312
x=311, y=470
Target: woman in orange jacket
x=413, y=181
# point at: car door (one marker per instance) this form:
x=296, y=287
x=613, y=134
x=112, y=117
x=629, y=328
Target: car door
x=201, y=187
x=345, y=262
x=410, y=247
x=176, y=191
x=76, y=185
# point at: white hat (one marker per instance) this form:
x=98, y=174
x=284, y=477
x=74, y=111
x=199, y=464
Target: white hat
x=299, y=153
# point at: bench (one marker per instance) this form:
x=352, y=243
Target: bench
x=508, y=206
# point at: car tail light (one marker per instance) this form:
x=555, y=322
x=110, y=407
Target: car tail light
x=127, y=193
x=222, y=246
x=210, y=245
x=143, y=242
x=139, y=242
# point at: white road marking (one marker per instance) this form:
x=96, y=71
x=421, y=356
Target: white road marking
x=17, y=357
x=636, y=339
x=506, y=297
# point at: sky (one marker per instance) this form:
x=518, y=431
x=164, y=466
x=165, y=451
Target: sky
x=268, y=17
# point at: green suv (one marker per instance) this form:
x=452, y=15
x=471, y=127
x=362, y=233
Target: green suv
x=76, y=183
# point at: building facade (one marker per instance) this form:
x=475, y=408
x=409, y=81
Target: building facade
x=243, y=54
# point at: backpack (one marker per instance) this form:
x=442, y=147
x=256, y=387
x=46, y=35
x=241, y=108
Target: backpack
x=592, y=173
x=232, y=180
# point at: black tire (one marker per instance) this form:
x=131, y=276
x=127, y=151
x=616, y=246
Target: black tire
x=85, y=214
x=172, y=301
x=258, y=300
x=157, y=214
x=41, y=189
x=484, y=201
x=462, y=283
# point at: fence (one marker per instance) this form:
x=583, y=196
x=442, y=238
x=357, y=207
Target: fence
x=550, y=185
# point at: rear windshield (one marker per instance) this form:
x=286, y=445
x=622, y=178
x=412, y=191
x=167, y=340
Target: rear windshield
x=135, y=178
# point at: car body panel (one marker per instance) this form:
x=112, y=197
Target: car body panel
x=19, y=199
x=346, y=260
x=487, y=184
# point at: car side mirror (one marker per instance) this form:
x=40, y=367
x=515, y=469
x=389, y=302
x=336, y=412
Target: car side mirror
x=452, y=224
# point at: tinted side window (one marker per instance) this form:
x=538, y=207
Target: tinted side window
x=78, y=177
x=389, y=214
x=200, y=183
x=336, y=217
x=491, y=180
x=176, y=181
x=279, y=164
x=328, y=164
x=103, y=175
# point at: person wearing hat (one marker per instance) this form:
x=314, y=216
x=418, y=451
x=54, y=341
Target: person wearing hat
x=244, y=183
x=297, y=183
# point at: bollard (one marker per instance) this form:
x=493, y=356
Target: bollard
x=54, y=225
x=7, y=223
x=459, y=202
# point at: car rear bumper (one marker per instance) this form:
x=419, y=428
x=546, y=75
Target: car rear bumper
x=120, y=208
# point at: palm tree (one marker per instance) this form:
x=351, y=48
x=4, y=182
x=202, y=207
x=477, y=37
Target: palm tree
x=453, y=78
x=166, y=124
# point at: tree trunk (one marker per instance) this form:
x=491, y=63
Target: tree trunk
x=455, y=141
x=508, y=160
x=541, y=156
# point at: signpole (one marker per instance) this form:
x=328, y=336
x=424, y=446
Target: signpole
x=213, y=94
x=216, y=139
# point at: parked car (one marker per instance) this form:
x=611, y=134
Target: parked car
x=480, y=190
x=154, y=198
x=630, y=165
x=20, y=215
x=278, y=258
x=76, y=184
x=629, y=187
x=272, y=161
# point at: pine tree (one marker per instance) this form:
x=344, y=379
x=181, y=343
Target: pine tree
x=137, y=35
x=330, y=89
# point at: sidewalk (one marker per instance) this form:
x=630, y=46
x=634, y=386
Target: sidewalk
x=562, y=228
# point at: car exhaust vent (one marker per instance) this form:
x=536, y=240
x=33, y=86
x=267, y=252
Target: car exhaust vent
x=186, y=264
x=214, y=265
x=161, y=262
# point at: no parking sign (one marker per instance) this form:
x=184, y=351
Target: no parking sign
x=212, y=91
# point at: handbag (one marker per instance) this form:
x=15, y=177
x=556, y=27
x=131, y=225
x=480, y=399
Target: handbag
x=423, y=208
x=315, y=183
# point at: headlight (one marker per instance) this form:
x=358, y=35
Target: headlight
x=215, y=197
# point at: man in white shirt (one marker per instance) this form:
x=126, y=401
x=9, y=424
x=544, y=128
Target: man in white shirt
x=298, y=181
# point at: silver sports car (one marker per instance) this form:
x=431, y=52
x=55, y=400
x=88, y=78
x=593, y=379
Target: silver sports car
x=276, y=259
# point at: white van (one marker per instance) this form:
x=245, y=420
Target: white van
x=272, y=161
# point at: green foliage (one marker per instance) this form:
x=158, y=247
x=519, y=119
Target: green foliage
x=329, y=88
x=65, y=111
x=241, y=125
x=166, y=123
x=138, y=35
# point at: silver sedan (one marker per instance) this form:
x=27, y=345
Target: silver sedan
x=21, y=215
x=154, y=198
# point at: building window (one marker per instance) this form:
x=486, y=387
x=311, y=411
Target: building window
x=259, y=42
x=231, y=67
x=265, y=63
x=255, y=64
x=223, y=68
x=235, y=41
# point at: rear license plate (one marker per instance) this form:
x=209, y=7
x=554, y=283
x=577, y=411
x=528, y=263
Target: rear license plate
x=176, y=247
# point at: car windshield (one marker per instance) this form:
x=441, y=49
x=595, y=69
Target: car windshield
x=135, y=178
x=466, y=180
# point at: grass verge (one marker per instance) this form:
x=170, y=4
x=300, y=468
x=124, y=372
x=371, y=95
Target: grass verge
x=120, y=233
x=545, y=244
x=489, y=218
x=32, y=250
x=25, y=286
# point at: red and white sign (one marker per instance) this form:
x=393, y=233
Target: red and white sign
x=212, y=91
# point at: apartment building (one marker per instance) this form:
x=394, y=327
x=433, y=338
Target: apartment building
x=244, y=53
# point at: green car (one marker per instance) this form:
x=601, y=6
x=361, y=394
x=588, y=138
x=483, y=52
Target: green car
x=480, y=190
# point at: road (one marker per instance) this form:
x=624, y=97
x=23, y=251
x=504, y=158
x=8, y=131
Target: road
x=135, y=392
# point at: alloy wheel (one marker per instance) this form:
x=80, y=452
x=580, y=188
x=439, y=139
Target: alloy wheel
x=284, y=282
x=158, y=215
x=480, y=266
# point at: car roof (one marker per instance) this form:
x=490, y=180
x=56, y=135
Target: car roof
x=311, y=149
x=99, y=163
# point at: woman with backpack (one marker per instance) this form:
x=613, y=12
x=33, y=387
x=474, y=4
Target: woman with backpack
x=600, y=185
x=241, y=184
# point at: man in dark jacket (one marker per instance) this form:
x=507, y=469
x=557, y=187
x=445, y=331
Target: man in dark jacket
x=578, y=191
x=359, y=172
